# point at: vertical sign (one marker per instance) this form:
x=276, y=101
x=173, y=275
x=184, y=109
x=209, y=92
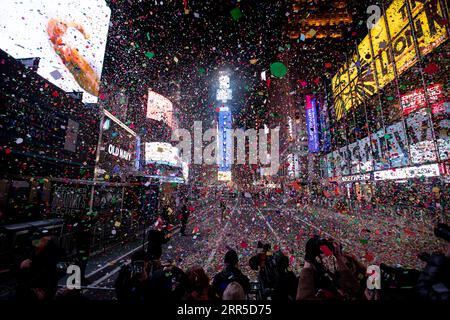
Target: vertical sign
x=311, y=124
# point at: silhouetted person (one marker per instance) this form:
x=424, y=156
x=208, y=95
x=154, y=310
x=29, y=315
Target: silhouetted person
x=156, y=238
x=38, y=275
x=83, y=238
x=184, y=219
x=229, y=274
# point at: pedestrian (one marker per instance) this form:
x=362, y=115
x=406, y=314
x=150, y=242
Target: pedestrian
x=156, y=238
x=234, y=291
x=83, y=239
x=198, y=287
x=223, y=208
x=184, y=219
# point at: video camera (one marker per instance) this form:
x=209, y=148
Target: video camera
x=401, y=281
x=263, y=251
x=272, y=268
x=317, y=246
x=442, y=231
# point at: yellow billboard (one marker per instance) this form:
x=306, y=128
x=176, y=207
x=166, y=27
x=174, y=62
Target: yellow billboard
x=430, y=31
x=430, y=26
x=224, y=175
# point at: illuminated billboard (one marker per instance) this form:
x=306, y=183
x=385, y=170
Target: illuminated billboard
x=224, y=139
x=159, y=108
x=414, y=100
x=161, y=153
x=118, y=148
x=311, y=124
x=349, y=90
x=69, y=37
x=224, y=176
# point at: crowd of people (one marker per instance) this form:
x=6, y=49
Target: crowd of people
x=328, y=273
x=304, y=263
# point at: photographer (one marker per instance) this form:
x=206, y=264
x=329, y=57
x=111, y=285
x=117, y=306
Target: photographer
x=133, y=281
x=277, y=281
x=434, y=282
x=326, y=274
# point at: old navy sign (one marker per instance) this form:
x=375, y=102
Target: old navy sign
x=311, y=124
x=118, y=152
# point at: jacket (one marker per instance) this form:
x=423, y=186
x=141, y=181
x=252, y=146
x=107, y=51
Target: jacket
x=434, y=282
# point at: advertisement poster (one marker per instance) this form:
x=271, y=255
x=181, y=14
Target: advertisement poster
x=118, y=149
x=162, y=153
x=159, y=108
x=69, y=37
x=429, y=22
x=311, y=124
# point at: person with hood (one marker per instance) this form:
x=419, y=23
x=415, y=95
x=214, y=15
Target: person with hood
x=229, y=274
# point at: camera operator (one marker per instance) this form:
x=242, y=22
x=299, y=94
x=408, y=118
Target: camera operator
x=277, y=281
x=317, y=281
x=434, y=282
x=133, y=281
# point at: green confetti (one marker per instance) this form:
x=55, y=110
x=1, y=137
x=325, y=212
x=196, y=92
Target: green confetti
x=236, y=13
x=149, y=55
x=148, y=36
x=278, y=69
x=202, y=70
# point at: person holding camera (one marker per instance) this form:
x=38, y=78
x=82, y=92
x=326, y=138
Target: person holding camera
x=434, y=282
x=133, y=281
x=277, y=281
x=326, y=274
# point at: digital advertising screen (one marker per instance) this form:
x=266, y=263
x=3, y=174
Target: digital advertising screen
x=118, y=149
x=69, y=37
x=429, y=21
x=311, y=124
x=159, y=108
x=162, y=153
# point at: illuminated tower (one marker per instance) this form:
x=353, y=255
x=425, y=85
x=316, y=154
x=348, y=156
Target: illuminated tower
x=224, y=94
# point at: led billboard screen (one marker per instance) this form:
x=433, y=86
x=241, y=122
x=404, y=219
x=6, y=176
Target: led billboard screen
x=429, y=21
x=162, y=153
x=159, y=108
x=69, y=37
x=311, y=124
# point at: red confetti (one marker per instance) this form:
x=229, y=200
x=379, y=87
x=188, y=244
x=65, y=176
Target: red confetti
x=431, y=68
